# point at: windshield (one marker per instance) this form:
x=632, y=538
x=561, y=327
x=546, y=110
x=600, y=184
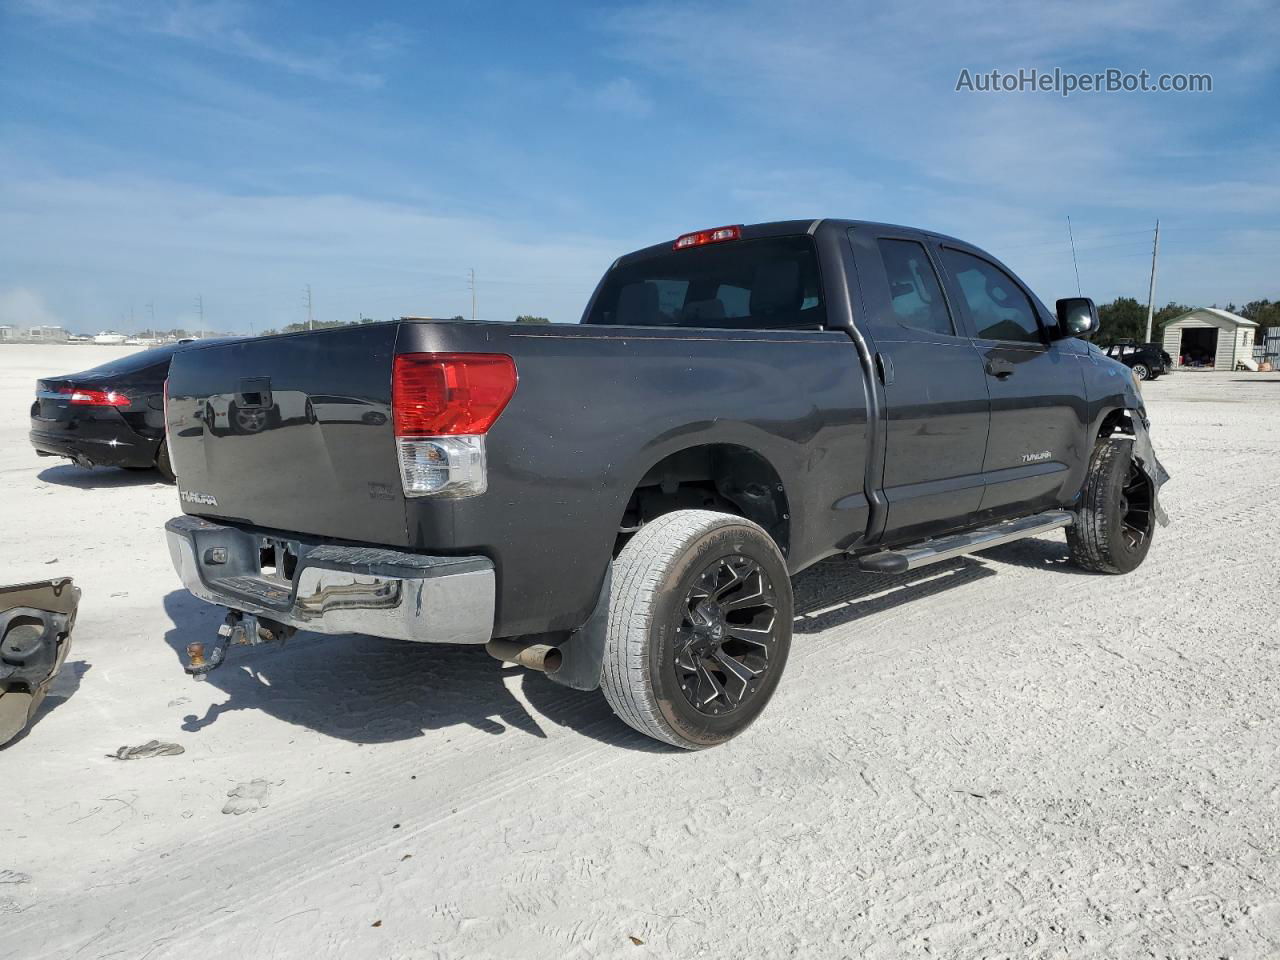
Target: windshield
x=768, y=284
x=143, y=359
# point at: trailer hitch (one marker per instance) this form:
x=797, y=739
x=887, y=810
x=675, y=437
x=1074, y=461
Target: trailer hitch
x=239, y=629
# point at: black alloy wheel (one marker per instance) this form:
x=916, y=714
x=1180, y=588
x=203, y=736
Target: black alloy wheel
x=727, y=635
x=1136, y=516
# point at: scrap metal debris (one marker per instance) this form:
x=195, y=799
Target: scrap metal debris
x=36, y=620
x=152, y=748
x=1145, y=454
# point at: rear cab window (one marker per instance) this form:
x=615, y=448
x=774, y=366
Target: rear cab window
x=915, y=295
x=765, y=284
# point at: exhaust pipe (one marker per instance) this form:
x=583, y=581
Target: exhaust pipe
x=536, y=656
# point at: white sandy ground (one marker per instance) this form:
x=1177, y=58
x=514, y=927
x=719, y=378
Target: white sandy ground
x=998, y=756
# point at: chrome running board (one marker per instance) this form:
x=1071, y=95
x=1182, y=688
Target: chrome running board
x=944, y=548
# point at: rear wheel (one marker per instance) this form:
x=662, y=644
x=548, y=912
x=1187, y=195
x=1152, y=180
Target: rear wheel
x=699, y=628
x=1141, y=371
x=163, y=465
x=1116, y=520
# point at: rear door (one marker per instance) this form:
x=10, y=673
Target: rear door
x=291, y=432
x=1036, y=384
x=934, y=385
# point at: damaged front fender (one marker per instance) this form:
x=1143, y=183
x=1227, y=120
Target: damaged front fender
x=36, y=620
x=1145, y=454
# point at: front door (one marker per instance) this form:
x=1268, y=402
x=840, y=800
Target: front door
x=1039, y=414
x=934, y=386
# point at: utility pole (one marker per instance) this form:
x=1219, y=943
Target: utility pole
x=1076, y=265
x=471, y=282
x=200, y=312
x=307, y=301
x=151, y=312
x=1151, y=290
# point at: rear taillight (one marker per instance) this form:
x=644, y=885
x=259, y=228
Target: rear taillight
x=703, y=237
x=87, y=397
x=442, y=405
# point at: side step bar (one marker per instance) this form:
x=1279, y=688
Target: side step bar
x=944, y=548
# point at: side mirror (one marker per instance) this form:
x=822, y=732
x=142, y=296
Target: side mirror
x=1078, y=317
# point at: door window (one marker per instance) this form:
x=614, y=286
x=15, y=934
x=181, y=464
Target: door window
x=914, y=290
x=1000, y=310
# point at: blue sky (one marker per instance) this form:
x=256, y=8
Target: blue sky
x=152, y=152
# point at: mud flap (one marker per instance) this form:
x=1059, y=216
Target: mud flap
x=1145, y=454
x=36, y=620
x=583, y=650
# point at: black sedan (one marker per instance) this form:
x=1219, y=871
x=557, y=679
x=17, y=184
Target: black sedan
x=1147, y=360
x=110, y=416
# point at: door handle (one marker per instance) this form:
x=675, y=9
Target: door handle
x=1000, y=369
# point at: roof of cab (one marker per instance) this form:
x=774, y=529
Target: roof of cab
x=784, y=228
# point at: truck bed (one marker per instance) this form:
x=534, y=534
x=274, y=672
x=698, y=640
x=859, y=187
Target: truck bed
x=294, y=433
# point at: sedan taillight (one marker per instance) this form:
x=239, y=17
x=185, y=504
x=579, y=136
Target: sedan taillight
x=89, y=397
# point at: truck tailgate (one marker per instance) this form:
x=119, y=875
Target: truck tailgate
x=291, y=432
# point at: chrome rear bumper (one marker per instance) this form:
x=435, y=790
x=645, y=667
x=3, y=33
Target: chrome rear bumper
x=333, y=588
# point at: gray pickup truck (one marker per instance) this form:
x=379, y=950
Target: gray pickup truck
x=621, y=503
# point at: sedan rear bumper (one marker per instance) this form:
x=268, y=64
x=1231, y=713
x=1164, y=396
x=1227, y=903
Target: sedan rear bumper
x=333, y=588
x=94, y=446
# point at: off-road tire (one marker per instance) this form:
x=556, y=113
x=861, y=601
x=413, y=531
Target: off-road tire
x=1097, y=538
x=651, y=579
x=163, y=466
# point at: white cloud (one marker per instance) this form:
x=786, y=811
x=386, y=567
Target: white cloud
x=870, y=87
x=621, y=95
x=97, y=250
x=20, y=307
x=225, y=27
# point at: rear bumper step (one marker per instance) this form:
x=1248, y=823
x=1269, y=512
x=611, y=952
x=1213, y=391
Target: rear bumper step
x=945, y=548
x=334, y=588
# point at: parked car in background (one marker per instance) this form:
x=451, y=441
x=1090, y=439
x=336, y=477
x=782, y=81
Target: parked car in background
x=1146, y=360
x=111, y=415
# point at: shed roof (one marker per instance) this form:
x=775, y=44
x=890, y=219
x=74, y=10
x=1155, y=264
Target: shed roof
x=1214, y=316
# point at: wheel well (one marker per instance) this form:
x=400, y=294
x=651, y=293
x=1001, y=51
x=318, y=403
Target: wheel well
x=723, y=477
x=1117, y=421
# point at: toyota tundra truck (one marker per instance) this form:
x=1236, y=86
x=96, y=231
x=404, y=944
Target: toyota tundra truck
x=621, y=503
